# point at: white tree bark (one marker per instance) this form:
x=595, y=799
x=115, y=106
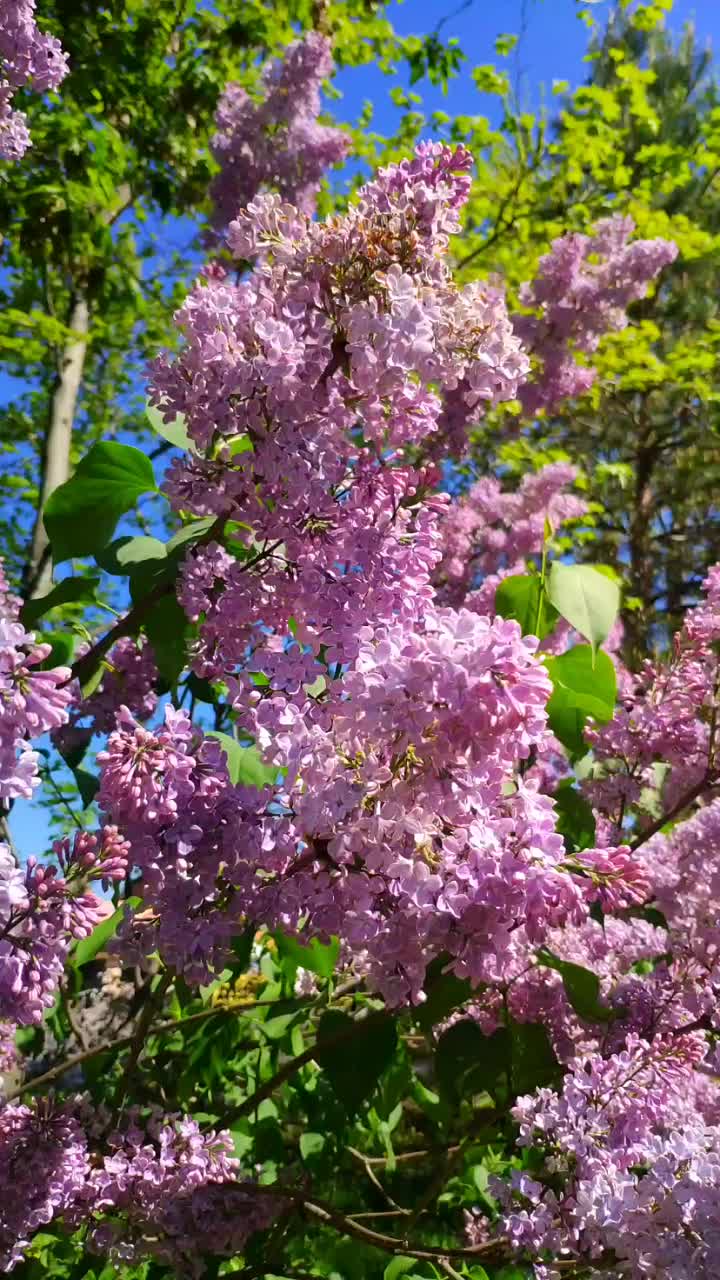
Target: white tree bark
x=56, y=451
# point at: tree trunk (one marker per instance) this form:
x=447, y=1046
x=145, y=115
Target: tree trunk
x=56, y=447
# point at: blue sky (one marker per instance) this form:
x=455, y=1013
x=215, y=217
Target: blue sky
x=552, y=45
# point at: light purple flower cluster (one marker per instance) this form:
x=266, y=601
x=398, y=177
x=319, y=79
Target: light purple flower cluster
x=490, y=532
x=129, y=680
x=168, y=1192
x=43, y=909
x=302, y=386
x=27, y=57
x=276, y=142
x=196, y=840
x=393, y=828
x=631, y=1176
x=581, y=292
x=157, y=1188
x=666, y=716
x=44, y=1166
x=31, y=700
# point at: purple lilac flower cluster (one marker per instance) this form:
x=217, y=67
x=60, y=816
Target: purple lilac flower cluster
x=129, y=680
x=43, y=909
x=491, y=531
x=27, y=57
x=31, y=700
x=343, y=326
x=666, y=715
x=276, y=142
x=638, y=1166
x=154, y=1188
x=582, y=290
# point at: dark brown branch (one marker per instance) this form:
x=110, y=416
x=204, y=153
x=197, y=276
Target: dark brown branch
x=678, y=808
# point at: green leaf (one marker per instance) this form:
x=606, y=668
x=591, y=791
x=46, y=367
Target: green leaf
x=399, y=1266
x=590, y=680
x=69, y=591
x=167, y=628
x=245, y=764
x=241, y=947
x=81, y=514
x=119, y=557
x=87, y=785
x=311, y=1144
x=175, y=431
x=444, y=992
x=467, y=1062
x=534, y=1064
x=189, y=533
x=523, y=597
x=588, y=600
x=576, y=820
x=317, y=957
x=354, y=1053
x=87, y=948
x=62, y=649
x=582, y=987
x=584, y=685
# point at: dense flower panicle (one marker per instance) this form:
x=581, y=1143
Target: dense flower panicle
x=631, y=1171
x=129, y=680
x=196, y=840
x=169, y=1192
x=278, y=141
x=31, y=701
x=491, y=531
x=582, y=290
x=44, y=1165
x=305, y=383
x=27, y=57
x=392, y=828
x=156, y=1188
x=43, y=909
x=664, y=717
x=684, y=868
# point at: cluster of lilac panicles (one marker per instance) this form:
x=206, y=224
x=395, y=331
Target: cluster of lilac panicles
x=490, y=532
x=31, y=701
x=43, y=909
x=392, y=828
x=630, y=1182
x=407, y=844
x=27, y=57
x=157, y=1188
x=44, y=1167
x=197, y=840
x=685, y=870
x=130, y=680
x=301, y=387
x=276, y=142
x=168, y=1192
x=581, y=292
x=666, y=716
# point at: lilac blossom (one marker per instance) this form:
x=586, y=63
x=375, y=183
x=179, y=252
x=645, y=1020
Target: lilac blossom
x=28, y=56
x=277, y=141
